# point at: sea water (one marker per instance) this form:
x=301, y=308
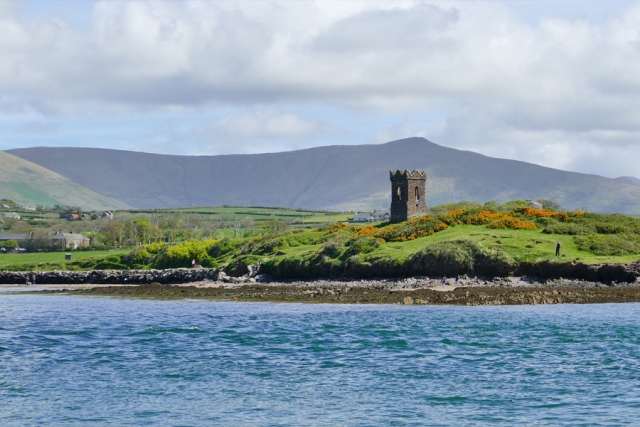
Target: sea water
x=73, y=360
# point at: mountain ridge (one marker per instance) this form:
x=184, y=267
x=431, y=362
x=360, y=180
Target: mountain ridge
x=330, y=177
x=31, y=184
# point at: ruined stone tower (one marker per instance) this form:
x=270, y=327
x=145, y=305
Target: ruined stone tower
x=407, y=194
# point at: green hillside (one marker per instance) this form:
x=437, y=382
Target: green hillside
x=485, y=240
x=31, y=184
x=490, y=240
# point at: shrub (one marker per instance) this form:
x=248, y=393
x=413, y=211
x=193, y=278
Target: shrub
x=137, y=256
x=447, y=257
x=224, y=247
x=570, y=228
x=362, y=245
x=106, y=265
x=459, y=257
x=608, y=224
x=540, y=213
x=512, y=223
x=609, y=244
x=180, y=255
x=332, y=249
x=10, y=244
x=268, y=246
x=155, y=248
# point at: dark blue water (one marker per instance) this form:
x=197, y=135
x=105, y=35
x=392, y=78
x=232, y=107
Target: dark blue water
x=68, y=360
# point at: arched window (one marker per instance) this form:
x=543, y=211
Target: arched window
x=417, y=194
x=399, y=192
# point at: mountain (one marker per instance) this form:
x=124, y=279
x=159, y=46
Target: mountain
x=629, y=180
x=334, y=177
x=30, y=184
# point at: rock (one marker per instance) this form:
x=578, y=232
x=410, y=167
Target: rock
x=407, y=301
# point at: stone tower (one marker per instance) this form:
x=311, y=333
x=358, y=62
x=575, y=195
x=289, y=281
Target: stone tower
x=407, y=194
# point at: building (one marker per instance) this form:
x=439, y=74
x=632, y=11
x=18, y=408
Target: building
x=70, y=240
x=381, y=215
x=362, y=217
x=407, y=194
x=535, y=205
x=17, y=237
x=73, y=217
x=107, y=215
x=11, y=215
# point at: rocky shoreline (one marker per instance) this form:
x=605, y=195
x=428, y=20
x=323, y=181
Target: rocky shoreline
x=205, y=283
x=410, y=291
x=98, y=277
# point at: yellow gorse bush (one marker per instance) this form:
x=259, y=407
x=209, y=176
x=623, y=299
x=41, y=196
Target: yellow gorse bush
x=541, y=213
x=423, y=226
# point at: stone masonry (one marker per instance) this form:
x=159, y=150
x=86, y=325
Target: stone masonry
x=407, y=194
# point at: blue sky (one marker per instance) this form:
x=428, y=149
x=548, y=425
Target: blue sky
x=549, y=82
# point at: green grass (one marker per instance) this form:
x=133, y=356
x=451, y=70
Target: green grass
x=585, y=238
x=521, y=245
x=9, y=260
x=263, y=214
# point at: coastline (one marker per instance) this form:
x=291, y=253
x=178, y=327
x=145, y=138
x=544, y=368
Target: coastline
x=410, y=291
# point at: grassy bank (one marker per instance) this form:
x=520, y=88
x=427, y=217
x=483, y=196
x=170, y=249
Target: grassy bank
x=46, y=261
x=462, y=239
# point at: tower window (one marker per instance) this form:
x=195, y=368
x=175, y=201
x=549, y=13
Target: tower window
x=399, y=192
x=417, y=194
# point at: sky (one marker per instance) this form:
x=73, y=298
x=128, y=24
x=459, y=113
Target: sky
x=555, y=83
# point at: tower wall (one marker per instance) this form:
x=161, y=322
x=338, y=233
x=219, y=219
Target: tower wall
x=407, y=194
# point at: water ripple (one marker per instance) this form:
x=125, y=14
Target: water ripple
x=95, y=361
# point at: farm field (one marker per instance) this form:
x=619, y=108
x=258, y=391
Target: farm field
x=44, y=259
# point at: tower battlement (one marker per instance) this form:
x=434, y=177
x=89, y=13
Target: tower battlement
x=415, y=174
x=407, y=194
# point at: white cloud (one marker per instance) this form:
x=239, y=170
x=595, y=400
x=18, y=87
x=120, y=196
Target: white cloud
x=39, y=128
x=252, y=132
x=554, y=90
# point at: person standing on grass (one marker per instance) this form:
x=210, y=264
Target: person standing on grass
x=558, y=248
x=193, y=263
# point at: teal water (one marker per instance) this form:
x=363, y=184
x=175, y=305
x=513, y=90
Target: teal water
x=67, y=360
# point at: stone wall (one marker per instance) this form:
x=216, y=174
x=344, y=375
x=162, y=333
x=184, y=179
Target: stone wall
x=169, y=276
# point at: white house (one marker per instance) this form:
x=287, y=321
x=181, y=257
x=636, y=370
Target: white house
x=381, y=215
x=362, y=217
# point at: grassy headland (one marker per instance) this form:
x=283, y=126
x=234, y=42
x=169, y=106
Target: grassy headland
x=465, y=238
x=486, y=240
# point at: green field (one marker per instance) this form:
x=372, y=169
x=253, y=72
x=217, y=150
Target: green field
x=9, y=261
x=258, y=214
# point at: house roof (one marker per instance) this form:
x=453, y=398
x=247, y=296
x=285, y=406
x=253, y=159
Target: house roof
x=56, y=236
x=68, y=236
x=21, y=236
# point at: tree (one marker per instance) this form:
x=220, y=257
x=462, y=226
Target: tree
x=39, y=241
x=10, y=244
x=113, y=232
x=10, y=221
x=274, y=225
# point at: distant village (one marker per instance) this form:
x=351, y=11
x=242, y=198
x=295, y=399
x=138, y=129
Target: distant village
x=21, y=242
